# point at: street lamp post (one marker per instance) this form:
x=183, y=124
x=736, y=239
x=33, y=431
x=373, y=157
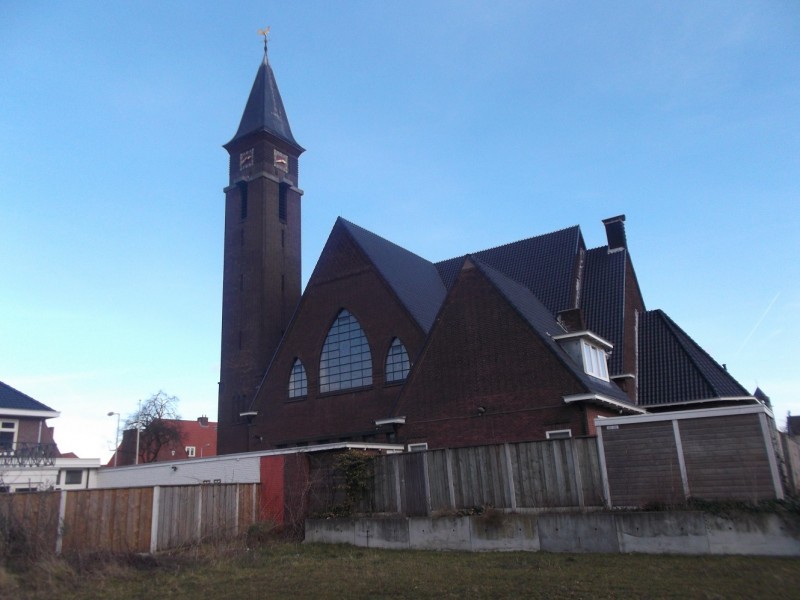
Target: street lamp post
x=138, y=430
x=116, y=439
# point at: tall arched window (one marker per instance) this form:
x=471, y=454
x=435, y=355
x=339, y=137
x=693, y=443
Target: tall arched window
x=298, y=382
x=346, y=361
x=397, y=363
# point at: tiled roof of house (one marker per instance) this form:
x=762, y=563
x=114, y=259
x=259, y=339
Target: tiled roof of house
x=13, y=399
x=414, y=279
x=546, y=326
x=544, y=264
x=673, y=368
x=603, y=299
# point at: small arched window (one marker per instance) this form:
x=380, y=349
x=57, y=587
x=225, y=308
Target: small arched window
x=397, y=363
x=346, y=361
x=298, y=382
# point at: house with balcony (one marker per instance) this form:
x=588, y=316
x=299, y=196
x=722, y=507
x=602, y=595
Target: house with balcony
x=29, y=457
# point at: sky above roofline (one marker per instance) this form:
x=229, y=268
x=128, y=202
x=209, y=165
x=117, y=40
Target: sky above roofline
x=444, y=127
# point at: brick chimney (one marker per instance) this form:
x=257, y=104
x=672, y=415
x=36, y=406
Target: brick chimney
x=615, y=233
x=203, y=421
x=572, y=320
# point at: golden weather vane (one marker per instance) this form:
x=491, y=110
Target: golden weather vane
x=265, y=33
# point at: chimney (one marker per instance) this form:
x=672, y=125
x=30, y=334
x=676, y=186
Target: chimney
x=203, y=421
x=615, y=233
x=572, y=320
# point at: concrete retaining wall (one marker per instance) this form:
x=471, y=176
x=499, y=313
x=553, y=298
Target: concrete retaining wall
x=680, y=532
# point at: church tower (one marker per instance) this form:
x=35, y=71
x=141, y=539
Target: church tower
x=261, y=278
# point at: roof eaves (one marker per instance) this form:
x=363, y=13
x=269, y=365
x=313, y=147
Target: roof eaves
x=603, y=400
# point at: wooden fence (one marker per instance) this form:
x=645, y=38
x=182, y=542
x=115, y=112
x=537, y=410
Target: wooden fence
x=522, y=476
x=127, y=519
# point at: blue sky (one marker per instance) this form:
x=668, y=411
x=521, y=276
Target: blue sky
x=446, y=127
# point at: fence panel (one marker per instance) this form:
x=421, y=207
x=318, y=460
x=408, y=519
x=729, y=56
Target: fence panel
x=589, y=470
x=413, y=483
x=439, y=481
x=178, y=516
x=218, y=511
x=479, y=477
x=546, y=474
x=111, y=520
x=247, y=506
x=385, y=484
x=31, y=519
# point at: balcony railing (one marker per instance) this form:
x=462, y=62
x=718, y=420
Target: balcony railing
x=27, y=455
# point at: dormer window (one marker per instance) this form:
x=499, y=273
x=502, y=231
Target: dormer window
x=594, y=361
x=588, y=350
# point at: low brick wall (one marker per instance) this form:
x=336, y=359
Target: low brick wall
x=678, y=532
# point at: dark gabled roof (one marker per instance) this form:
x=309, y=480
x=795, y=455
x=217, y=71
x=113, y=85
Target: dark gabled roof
x=12, y=399
x=544, y=264
x=673, y=368
x=264, y=109
x=546, y=326
x=603, y=299
x=414, y=280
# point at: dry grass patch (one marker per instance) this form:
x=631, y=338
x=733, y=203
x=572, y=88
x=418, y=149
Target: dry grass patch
x=306, y=571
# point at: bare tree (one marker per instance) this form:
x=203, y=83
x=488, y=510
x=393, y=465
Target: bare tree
x=156, y=418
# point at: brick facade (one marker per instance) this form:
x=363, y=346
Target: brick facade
x=343, y=279
x=485, y=376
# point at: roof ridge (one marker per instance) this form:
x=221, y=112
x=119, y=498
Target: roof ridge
x=523, y=240
x=350, y=224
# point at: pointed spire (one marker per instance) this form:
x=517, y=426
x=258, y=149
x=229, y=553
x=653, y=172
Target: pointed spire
x=264, y=109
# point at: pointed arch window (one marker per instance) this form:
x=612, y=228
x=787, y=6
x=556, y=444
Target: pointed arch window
x=397, y=363
x=298, y=382
x=346, y=360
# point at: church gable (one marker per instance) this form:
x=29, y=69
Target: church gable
x=341, y=257
x=347, y=305
x=485, y=374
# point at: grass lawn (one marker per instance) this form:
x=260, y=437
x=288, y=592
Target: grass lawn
x=315, y=570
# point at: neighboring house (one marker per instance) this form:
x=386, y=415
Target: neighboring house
x=529, y=340
x=793, y=425
x=194, y=439
x=29, y=457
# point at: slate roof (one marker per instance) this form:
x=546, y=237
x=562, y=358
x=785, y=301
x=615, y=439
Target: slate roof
x=264, y=109
x=13, y=399
x=673, y=368
x=414, y=279
x=536, y=275
x=544, y=264
x=603, y=299
x=546, y=326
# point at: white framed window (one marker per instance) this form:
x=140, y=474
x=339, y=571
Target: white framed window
x=8, y=435
x=190, y=451
x=559, y=434
x=594, y=361
x=420, y=447
x=73, y=476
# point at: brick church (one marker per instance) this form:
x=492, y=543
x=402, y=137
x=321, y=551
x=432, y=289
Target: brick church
x=527, y=341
